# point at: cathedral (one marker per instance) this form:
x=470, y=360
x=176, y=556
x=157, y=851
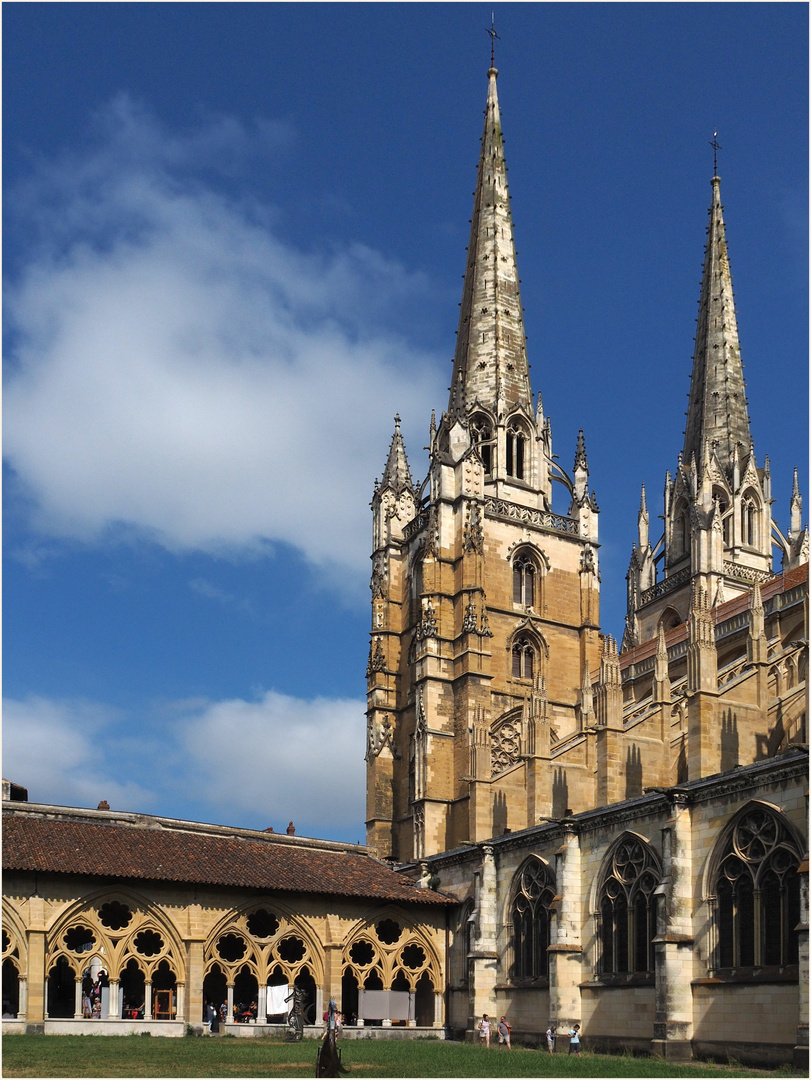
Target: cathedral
x=624, y=827
x=561, y=828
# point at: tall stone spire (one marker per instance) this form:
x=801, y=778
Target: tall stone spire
x=717, y=415
x=490, y=367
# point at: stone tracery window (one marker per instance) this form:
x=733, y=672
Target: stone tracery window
x=531, y=914
x=525, y=573
x=757, y=893
x=505, y=742
x=516, y=443
x=481, y=432
x=749, y=521
x=523, y=658
x=627, y=910
x=721, y=499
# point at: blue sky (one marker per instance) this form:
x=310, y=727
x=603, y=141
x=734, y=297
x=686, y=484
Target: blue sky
x=234, y=241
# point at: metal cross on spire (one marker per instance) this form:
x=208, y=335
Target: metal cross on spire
x=716, y=146
x=493, y=36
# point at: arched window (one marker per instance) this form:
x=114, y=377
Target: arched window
x=721, y=499
x=516, y=443
x=525, y=572
x=680, y=539
x=531, y=912
x=523, y=658
x=627, y=911
x=757, y=893
x=749, y=521
x=481, y=434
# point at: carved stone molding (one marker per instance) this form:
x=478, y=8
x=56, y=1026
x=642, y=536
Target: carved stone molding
x=507, y=511
x=474, y=534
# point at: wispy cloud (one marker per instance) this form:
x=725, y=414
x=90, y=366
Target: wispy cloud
x=178, y=370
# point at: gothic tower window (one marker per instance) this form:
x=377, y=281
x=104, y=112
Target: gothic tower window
x=627, y=909
x=749, y=521
x=757, y=893
x=681, y=531
x=516, y=442
x=523, y=658
x=525, y=573
x=481, y=434
x=723, y=506
x=531, y=913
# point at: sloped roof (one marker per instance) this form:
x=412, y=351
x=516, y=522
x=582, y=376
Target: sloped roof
x=60, y=845
x=781, y=583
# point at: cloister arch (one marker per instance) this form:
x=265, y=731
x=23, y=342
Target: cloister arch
x=387, y=951
x=257, y=947
x=122, y=933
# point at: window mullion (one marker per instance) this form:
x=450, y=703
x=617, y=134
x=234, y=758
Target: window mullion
x=759, y=927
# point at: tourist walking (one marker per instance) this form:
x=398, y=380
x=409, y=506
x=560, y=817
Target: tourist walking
x=504, y=1030
x=574, y=1040
x=551, y=1035
x=484, y=1030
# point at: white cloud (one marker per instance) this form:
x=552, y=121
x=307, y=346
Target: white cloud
x=270, y=761
x=58, y=750
x=177, y=369
x=282, y=757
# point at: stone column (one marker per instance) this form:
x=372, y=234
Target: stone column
x=484, y=954
x=229, y=1019
x=148, y=1001
x=438, y=1003
x=77, y=999
x=673, y=944
x=566, y=951
x=22, y=1003
x=37, y=975
x=332, y=972
x=113, y=1007
x=262, y=1004
x=180, y=1013
x=319, y=1006
x=192, y=1011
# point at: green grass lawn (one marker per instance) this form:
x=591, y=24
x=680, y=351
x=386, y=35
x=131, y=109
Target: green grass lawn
x=136, y=1055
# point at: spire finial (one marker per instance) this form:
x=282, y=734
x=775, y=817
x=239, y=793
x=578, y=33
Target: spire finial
x=716, y=146
x=493, y=36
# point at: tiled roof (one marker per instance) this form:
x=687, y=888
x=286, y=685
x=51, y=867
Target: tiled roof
x=780, y=584
x=109, y=849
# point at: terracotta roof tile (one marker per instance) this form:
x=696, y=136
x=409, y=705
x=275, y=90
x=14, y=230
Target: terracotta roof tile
x=105, y=849
x=779, y=584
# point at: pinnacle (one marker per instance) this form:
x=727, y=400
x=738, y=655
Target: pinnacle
x=397, y=474
x=580, y=453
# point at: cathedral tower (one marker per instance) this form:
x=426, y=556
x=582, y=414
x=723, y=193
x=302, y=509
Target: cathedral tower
x=718, y=532
x=485, y=602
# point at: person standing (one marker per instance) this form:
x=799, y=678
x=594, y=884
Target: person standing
x=551, y=1035
x=574, y=1040
x=504, y=1033
x=484, y=1030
